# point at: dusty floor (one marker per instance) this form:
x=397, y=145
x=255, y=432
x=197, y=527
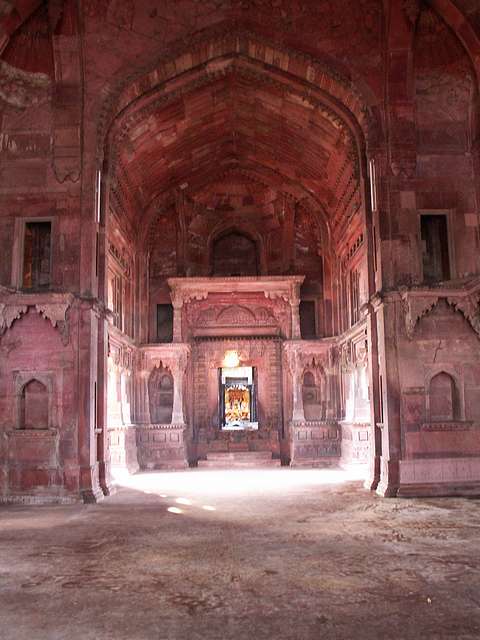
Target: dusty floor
x=250, y=554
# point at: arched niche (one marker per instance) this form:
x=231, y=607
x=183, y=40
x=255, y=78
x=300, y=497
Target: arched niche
x=234, y=253
x=444, y=398
x=34, y=406
x=313, y=393
x=160, y=391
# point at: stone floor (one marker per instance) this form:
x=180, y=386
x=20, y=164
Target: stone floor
x=278, y=553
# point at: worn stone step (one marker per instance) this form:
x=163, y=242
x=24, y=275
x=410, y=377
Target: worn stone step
x=238, y=460
x=240, y=455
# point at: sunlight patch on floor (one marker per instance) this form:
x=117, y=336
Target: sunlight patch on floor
x=184, y=487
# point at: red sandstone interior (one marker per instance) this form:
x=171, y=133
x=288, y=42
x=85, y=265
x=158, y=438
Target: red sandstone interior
x=284, y=192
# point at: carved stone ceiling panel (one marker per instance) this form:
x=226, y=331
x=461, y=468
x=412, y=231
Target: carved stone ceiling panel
x=234, y=123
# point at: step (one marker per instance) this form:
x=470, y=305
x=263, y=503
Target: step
x=239, y=459
x=239, y=455
x=238, y=464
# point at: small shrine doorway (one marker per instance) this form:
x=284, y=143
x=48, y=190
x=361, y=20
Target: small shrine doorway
x=237, y=398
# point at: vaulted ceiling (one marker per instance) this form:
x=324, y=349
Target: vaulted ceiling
x=236, y=120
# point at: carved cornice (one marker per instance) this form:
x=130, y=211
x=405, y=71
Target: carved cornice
x=185, y=289
x=161, y=427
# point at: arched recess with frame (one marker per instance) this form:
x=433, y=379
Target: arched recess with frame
x=151, y=138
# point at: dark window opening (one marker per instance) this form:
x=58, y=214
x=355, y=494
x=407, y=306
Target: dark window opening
x=164, y=323
x=118, y=297
x=37, y=255
x=436, y=262
x=308, y=327
x=354, y=297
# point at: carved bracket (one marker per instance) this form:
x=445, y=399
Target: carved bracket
x=414, y=308
x=469, y=307
x=52, y=307
x=57, y=314
x=10, y=313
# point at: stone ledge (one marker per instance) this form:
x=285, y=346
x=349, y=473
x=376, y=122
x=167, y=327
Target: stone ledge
x=39, y=499
x=454, y=425
x=32, y=433
x=167, y=426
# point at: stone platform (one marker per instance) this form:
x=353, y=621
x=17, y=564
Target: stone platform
x=239, y=460
x=264, y=441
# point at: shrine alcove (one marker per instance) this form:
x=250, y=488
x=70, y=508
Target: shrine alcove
x=160, y=388
x=444, y=401
x=313, y=402
x=34, y=412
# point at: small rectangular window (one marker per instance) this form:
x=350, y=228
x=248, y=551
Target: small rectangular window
x=354, y=296
x=37, y=255
x=164, y=323
x=435, y=257
x=307, y=319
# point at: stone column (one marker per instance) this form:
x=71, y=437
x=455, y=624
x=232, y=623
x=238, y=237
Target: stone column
x=178, y=372
x=89, y=479
x=102, y=404
x=177, y=318
x=296, y=334
x=373, y=476
x=387, y=321
x=142, y=405
x=295, y=312
x=298, y=414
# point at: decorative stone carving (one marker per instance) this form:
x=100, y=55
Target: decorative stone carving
x=8, y=314
x=469, y=306
x=414, y=308
x=22, y=89
x=417, y=304
x=447, y=426
x=52, y=307
x=57, y=314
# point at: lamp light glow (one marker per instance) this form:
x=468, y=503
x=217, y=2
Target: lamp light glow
x=231, y=360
